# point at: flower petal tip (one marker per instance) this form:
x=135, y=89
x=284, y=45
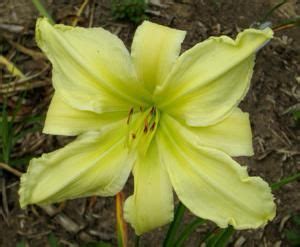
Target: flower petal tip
x=139, y=225
x=27, y=183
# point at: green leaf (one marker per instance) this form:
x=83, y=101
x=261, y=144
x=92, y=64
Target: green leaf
x=42, y=10
x=188, y=231
x=53, y=241
x=6, y=128
x=225, y=237
x=296, y=219
x=293, y=237
x=133, y=10
x=168, y=242
x=5, y=133
x=272, y=10
x=21, y=161
x=21, y=244
x=285, y=181
x=219, y=239
x=296, y=116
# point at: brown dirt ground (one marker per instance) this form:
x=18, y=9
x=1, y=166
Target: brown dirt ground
x=275, y=89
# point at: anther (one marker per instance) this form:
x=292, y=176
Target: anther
x=152, y=126
x=129, y=115
x=146, y=129
x=152, y=112
x=133, y=135
x=146, y=121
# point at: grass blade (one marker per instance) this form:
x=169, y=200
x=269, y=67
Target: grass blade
x=5, y=131
x=271, y=11
x=285, y=181
x=42, y=10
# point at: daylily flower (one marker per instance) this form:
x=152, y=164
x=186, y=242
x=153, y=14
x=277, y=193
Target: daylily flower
x=172, y=120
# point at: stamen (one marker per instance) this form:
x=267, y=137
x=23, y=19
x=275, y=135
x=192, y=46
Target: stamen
x=152, y=126
x=146, y=122
x=152, y=110
x=142, y=127
x=146, y=129
x=129, y=115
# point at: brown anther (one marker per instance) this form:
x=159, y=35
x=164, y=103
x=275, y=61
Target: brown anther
x=152, y=110
x=133, y=135
x=146, y=129
x=152, y=126
x=129, y=115
x=141, y=108
x=146, y=122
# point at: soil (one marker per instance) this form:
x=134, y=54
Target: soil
x=274, y=93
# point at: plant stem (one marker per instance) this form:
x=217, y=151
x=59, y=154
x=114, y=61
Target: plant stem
x=137, y=241
x=121, y=224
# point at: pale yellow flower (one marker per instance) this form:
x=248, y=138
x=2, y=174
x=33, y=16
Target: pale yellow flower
x=172, y=120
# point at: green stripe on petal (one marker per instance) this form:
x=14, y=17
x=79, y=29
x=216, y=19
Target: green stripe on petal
x=63, y=119
x=96, y=163
x=211, y=78
x=151, y=205
x=154, y=50
x=211, y=184
x=232, y=135
x=92, y=68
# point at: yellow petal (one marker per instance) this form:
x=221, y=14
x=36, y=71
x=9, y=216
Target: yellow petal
x=154, y=50
x=211, y=184
x=231, y=135
x=96, y=163
x=211, y=78
x=62, y=119
x=151, y=205
x=92, y=68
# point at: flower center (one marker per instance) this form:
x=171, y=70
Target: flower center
x=142, y=125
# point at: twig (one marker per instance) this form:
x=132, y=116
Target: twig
x=79, y=12
x=10, y=169
x=11, y=68
x=34, y=54
x=24, y=80
x=26, y=86
x=91, y=18
x=283, y=27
